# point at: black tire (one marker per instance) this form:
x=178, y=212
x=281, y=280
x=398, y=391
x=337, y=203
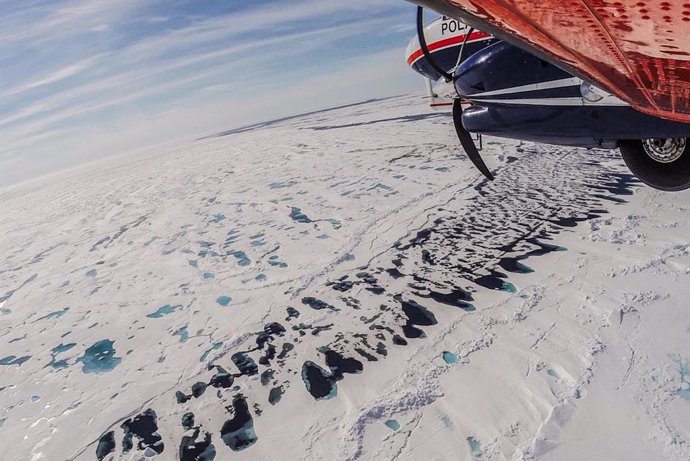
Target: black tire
x=669, y=177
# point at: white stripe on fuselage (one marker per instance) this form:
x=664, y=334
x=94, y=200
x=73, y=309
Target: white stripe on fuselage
x=552, y=101
x=573, y=81
x=606, y=100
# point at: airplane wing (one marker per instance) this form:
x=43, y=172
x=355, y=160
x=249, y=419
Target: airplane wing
x=638, y=50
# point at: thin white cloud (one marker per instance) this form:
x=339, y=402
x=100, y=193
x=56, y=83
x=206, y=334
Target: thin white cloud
x=377, y=75
x=93, y=77
x=228, y=60
x=54, y=76
x=39, y=24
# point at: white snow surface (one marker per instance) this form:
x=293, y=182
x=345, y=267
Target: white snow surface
x=581, y=351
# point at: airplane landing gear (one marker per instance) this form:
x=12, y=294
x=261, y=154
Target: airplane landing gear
x=663, y=164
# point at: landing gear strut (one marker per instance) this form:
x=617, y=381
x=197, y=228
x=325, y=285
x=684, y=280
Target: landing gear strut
x=468, y=143
x=663, y=164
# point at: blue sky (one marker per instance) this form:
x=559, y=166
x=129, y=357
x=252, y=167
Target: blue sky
x=83, y=79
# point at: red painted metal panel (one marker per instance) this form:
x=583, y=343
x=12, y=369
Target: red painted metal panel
x=638, y=50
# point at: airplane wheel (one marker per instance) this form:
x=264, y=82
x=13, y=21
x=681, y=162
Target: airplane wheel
x=663, y=164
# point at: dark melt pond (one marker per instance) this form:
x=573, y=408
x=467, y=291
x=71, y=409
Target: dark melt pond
x=100, y=358
x=321, y=383
x=14, y=360
x=393, y=424
x=59, y=349
x=224, y=300
x=163, y=310
x=449, y=358
x=238, y=432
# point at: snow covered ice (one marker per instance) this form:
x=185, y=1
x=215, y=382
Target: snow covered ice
x=344, y=285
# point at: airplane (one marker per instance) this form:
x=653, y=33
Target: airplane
x=587, y=73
